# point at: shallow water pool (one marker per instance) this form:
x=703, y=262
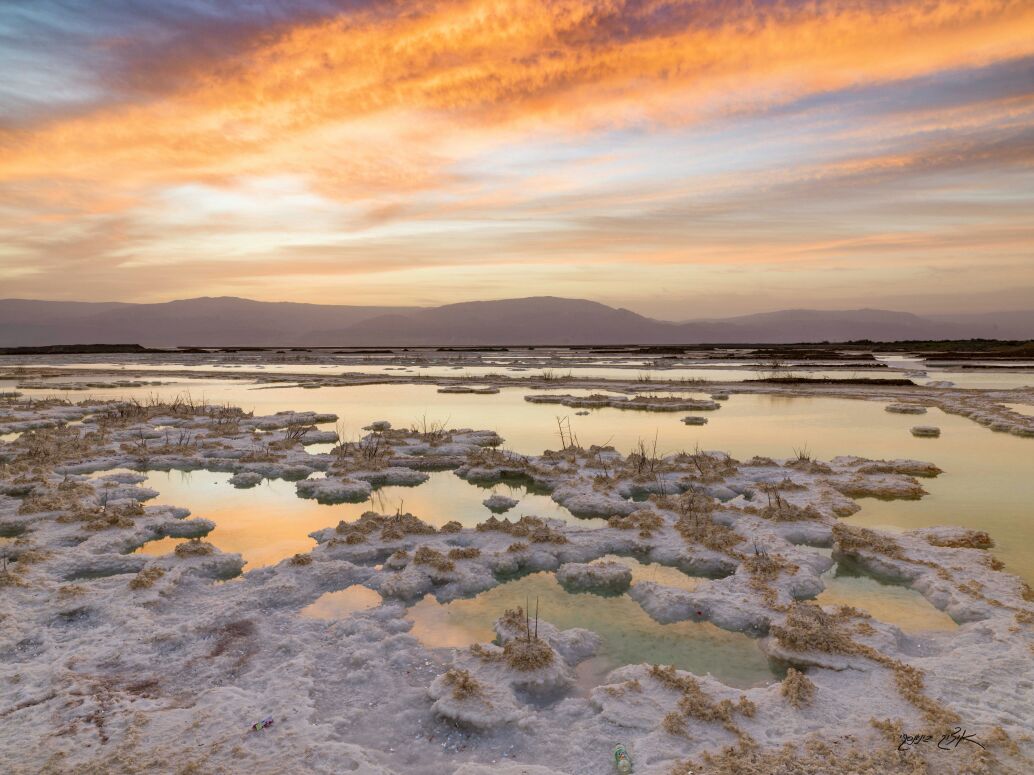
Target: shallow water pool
x=629, y=635
x=269, y=522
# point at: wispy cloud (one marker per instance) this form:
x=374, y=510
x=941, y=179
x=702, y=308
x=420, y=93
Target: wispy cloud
x=194, y=145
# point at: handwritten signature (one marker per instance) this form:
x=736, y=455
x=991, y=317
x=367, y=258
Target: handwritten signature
x=949, y=741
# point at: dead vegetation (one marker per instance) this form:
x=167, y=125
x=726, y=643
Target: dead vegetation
x=194, y=547
x=765, y=568
x=463, y=684
x=643, y=520
x=392, y=528
x=855, y=540
x=808, y=628
x=778, y=509
x=963, y=539
x=532, y=528
x=817, y=757
x=803, y=461
x=797, y=688
x=526, y=655
x=695, y=703
x=146, y=578
x=425, y=555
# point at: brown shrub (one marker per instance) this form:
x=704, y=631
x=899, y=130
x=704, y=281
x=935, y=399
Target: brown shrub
x=146, y=578
x=195, y=547
x=425, y=555
x=526, y=655
x=463, y=684
x=797, y=688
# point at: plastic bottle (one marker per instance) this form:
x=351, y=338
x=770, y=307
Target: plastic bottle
x=622, y=760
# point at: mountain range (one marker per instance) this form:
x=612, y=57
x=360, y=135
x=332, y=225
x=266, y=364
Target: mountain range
x=543, y=320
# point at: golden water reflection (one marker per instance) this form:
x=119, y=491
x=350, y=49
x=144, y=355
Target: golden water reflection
x=986, y=485
x=342, y=603
x=269, y=522
x=891, y=603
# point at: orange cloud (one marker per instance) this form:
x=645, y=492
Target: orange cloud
x=366, y=103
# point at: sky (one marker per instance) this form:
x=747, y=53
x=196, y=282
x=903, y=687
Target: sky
x=681, y=159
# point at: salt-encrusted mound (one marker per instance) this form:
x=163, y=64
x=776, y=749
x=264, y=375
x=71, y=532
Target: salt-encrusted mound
x=499, y=503
x=245, y=479
x=641, y=403
x=583, y=502
x=926, y=431
x=605, y=577
x=393, y=476
x=905, y=408
x=472, y=701
x=692, y=419
x=334, y=490
x=156, y=636
x=488, y=390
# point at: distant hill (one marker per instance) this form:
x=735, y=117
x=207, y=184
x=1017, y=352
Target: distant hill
x=230, y=321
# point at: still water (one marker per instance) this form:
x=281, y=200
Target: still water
x=987, y=484
x=269, y=522
x=628, y=635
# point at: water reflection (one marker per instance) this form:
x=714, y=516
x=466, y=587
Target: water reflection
x=847, y=584
x=269, y=522
x=628, y=635
x=342, y=603
x=986, y=485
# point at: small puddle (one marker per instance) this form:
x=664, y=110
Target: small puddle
x=629, y=635
x=342, y=603
x=893, y=603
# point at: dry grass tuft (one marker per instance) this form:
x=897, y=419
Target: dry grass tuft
x=464, y=553
x=695, y=703
x=700, y=528
x=145, y=579
x=526, y=655
x=463, y=684
x=425, y=555
x=301, y=559
x=969, y=539
x=532, y=528
x=195, y=547
x=854, y=540
x=643, y=520
x=797, y=688
x=392, y=528
x=819, y=757
x=765, y=568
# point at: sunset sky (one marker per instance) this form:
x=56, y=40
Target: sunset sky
x=677, y=158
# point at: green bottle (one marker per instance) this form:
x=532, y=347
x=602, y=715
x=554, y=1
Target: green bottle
x=622, y=760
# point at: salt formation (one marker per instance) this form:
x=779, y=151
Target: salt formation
x=926, y=431
x=499, y=503
x=115, y=661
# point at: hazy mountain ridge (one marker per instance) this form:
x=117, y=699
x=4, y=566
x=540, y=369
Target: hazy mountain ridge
x=536, y=320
